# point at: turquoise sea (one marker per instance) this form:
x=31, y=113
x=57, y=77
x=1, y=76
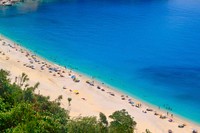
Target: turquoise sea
x=147, y=48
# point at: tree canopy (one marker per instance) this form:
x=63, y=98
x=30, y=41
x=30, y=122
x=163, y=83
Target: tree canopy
x=23, y=111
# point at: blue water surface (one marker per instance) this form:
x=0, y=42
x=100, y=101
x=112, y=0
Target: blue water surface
x=147, y=48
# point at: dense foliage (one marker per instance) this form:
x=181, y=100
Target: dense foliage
x=23, y=111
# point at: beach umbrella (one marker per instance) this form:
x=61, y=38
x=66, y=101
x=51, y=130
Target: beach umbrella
x=64, y=87
x=194, y=131
x=73, y=77
x=76, y=91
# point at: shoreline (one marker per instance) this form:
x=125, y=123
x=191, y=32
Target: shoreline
x=107, y=87
x=113, y=88
x=99, y=81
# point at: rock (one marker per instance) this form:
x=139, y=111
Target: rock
x=8, y=2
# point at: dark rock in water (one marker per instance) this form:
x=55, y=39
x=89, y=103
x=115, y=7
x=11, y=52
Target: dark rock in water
x=8, y=2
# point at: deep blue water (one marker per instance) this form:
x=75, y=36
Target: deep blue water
x=147, y=48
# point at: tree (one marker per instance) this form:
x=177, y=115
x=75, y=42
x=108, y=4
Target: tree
x=147, y=131
x=83, y=125
x=122, y=122
x=4, y=81
x=69, y=100
x=23, y=111
x=2, y=105
x=23, y=79
x=60, y=97
x=103, y=123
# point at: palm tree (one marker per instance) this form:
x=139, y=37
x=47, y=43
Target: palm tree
x=59, y=98
x=69, y=100
x=23, y=79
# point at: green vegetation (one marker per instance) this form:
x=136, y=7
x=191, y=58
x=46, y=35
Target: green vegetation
x=147, y=131
x=69, y=100
x=122, y=122
x=23, y=111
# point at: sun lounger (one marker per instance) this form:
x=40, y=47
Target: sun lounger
x=181, y=126
x=90, y=83
x=98, y=87
x=170, y=131
x=149, y=109
x=170, y=120
x=194, y=131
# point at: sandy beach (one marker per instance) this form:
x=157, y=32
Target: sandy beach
x=89, y=97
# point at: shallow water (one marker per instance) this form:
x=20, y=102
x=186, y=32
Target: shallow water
x=147, y=48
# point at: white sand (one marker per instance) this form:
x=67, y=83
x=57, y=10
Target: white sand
x=95, y=100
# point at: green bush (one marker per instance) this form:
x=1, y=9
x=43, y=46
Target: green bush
x=22, y=111
x=122, y=122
